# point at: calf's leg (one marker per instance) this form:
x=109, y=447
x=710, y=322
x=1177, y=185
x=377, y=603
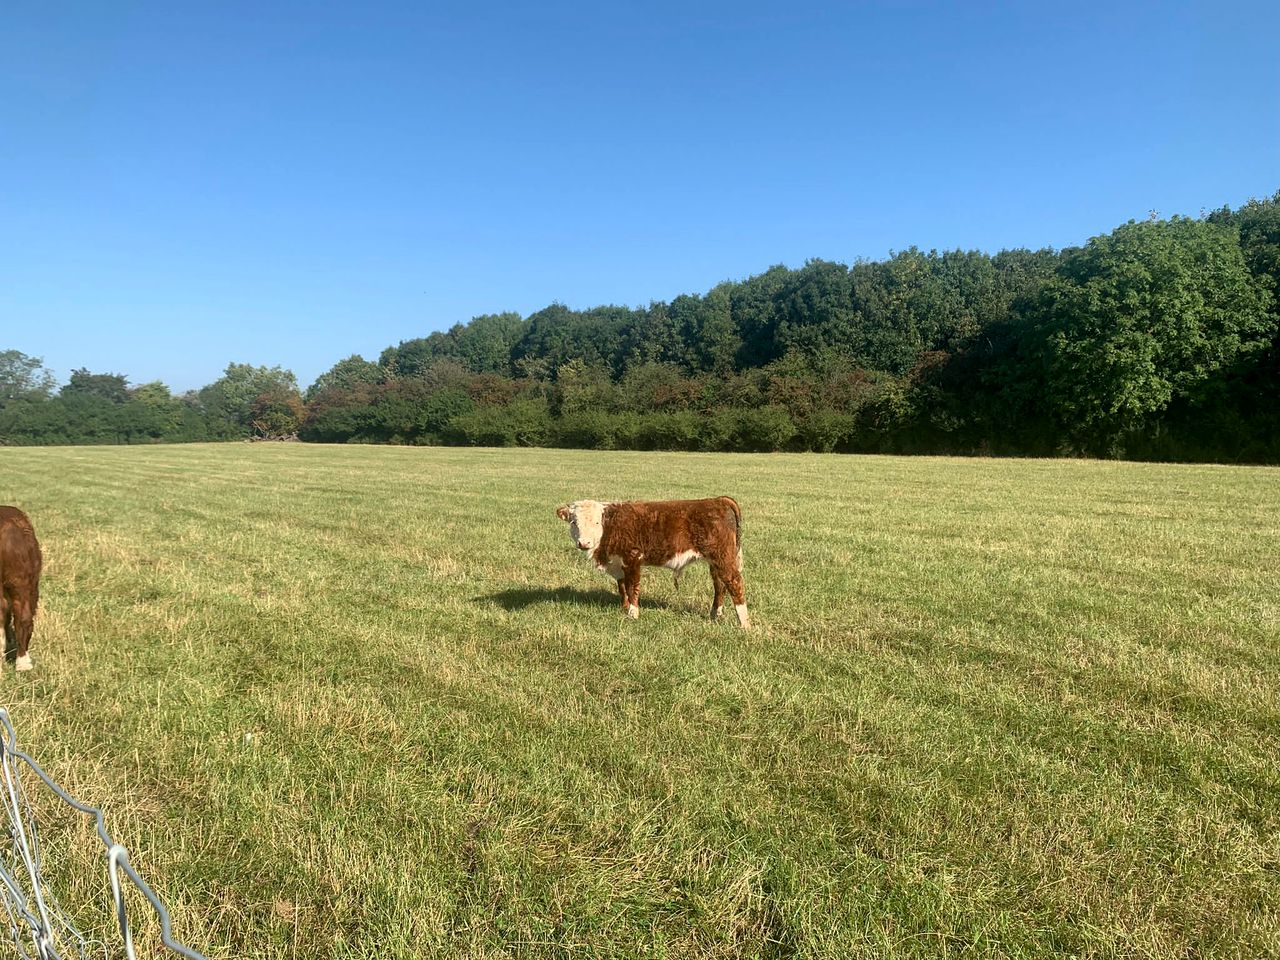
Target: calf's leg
x=717, y=602
x=23, y=620
x=6, y=617
x=739, y=594
x=631, y=596
x=733, y=582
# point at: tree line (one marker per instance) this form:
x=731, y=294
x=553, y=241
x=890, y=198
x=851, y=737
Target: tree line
x=1159, y=340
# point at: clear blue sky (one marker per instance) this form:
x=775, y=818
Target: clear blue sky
x=187, y=184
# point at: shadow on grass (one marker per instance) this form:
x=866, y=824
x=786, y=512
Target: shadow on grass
x=519, y=598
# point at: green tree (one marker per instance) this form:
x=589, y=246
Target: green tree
x=815, y=310
x=277, y=412
x=1139, y=317
x=345, y=375
x=23, y=378
x=754, y=307
x=584, y=386
x=707, y=331
x=111, y=387
x=230, y=400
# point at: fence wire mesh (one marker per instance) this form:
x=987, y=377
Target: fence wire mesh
x=40, y=928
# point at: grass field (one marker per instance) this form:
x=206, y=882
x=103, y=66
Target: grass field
x=371, y=702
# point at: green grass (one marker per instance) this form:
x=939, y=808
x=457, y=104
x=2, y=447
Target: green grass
x=371, y=702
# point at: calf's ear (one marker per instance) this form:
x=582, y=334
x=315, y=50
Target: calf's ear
x=563, y=512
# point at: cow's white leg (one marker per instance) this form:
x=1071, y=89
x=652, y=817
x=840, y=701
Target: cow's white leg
x=734, y=584
x=633, y=611
x=24, y=662
x=717, y=611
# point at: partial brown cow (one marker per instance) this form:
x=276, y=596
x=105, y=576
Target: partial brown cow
x=20, y=563
x=623, y=537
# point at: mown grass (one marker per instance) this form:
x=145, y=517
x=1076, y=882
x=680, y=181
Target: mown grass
x=370, y=702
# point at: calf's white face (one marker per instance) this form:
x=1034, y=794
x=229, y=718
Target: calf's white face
x=586, y=522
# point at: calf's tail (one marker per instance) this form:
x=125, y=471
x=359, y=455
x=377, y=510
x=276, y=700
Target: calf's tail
x=737, y=527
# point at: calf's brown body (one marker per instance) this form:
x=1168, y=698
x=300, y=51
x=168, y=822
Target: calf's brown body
x=665, y=533
x=20, y=563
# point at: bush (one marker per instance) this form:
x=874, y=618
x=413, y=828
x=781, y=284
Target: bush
x=717, y=430
x=588, y=430
x=668, y=431
x=769, y=428
x=442, y=407
x=484, y=427
x=525, y=423
x=825, y=430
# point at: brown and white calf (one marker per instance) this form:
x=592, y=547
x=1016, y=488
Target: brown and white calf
x=623, y=537
x=19, y=581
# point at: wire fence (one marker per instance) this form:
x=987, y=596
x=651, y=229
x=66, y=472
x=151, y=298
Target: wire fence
x=40, y=928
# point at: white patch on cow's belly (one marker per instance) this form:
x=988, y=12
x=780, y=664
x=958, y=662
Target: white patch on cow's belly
x=613, y=567
x=682, y=560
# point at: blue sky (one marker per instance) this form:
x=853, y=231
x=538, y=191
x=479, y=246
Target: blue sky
x=183, y=185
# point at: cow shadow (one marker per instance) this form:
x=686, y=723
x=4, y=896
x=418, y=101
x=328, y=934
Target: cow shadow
x=521, y=598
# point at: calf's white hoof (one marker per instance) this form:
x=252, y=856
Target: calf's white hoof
x=744, y=618
x=633, y=612
x=24, y=663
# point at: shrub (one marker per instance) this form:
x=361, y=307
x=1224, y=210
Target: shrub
x=524, y=423
x=588, y=430
x=769, y=428
x=825, y=430
x=717, y=429
x=668, y=431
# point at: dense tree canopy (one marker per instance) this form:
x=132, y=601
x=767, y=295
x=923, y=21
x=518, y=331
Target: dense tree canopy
x=248, y=400
x=1159, y=339
x=1139, y=317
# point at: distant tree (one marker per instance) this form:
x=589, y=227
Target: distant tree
x=558, y=335
x=582, y=386
x=1138, y=317
x=23, y=377
x=707, y=331
x=654, y=337
x=111, y=387
x=484, y=344
x=153, y=393
x=336, y=415
x=345, y=374
x=232, y=400
x=164, y=417
x=1259, y=224
x=815, y=310
x=487, y=389
x=277, y=412
x=753, y=305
